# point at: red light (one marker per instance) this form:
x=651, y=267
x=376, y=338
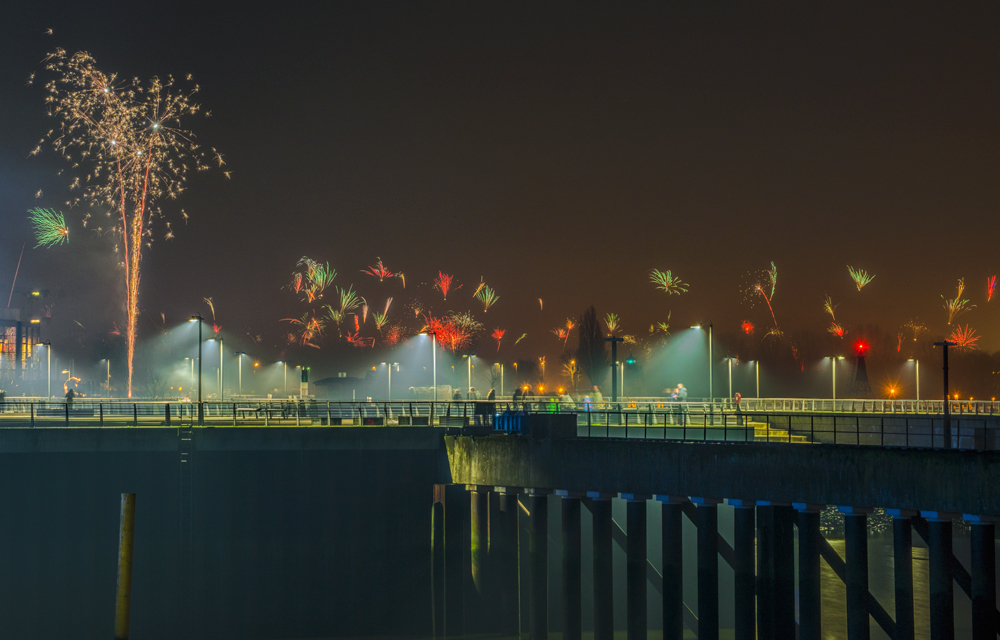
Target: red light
x=860, y=347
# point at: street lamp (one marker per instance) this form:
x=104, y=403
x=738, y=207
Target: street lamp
x=390, y=366
x=222, y=371
x=711, y=362
x=729, y=361
x=434, y=366
x=916, y=361
x=756, y=366
x=108, y=360
x=48, y=366
x=284, y=378
x=201, y=411
x=501, y=379
x=468, y=392
x=834, y=359
x=239, y=355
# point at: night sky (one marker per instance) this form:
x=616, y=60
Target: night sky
x=558, y=150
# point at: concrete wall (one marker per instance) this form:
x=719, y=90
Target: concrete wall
x=297, y=532
x=951, y=481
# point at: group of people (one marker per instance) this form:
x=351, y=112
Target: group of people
x=677, y=394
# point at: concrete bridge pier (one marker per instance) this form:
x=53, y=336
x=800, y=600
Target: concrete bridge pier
x=600, y=507
x=572, y=591
x=942, y=590
x=765, y=571
x=635, y=566
x=783, y=554
x=504, y=559
x=902, y=559
x=708, y=567
x=984, y=593
x=478, y=606
x=856, y=569
x=810, y=607
x=450, y=551
x=538, y=564
x=745, y=574
x=673, y=566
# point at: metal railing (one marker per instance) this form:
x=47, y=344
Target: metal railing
x=900, y=430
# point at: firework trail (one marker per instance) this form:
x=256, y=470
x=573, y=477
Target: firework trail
x=859, y=276
x=16, y=271
x=541, y=305
x=523, y=336
x=364, y=311
x=443, y=283
x=357, y=327
x=772, y=276
x=899, y=341
x=475, y=294
x=487, y=296
x=991, y=285
x=837, y=330
x=759, y=288
x=612, y=322
x=402, y=278
x=216, y=327
x=666, y=281
x=964, y=338
x=830, y=308
x=380, y=320
x=570, y=325
x=497, y=335
x=379, y=271
x=561, y=333
x=50, y=227
x=747, y=327
x=129, y=137
x=957, y=306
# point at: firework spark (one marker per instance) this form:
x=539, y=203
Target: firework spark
x=50, y=227
x=313, y=279
x=393, y=335
x=541, y=305
x=772, y=277
x=830, y=308
x=479, y=288
x=379, y=271
x=916, y=328
x=964, y=338
x=747, y=327
x=613, y=322
x=216, y=327
x=991, y=285
x=487, y=296
x=667, y=282
x=561, y=333
x=309, y=328
x=957, y=306
x=859, y=276
x=523, y=336
x=443, y=283
x=497, y=335
x=837, y=330
x=127, y=136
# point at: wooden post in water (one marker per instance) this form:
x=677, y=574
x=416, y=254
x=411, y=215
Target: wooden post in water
x=123, y=599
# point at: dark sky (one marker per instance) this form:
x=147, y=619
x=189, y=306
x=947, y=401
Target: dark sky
x=559, y=150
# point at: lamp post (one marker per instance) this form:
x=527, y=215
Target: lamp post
x=729, y=361
x=284, y=378
x=434, y=366
x=711, y=362
x=390, y=366
x=947, y=394
x=834, y=359
x=501, y=379
x=239, y=355
x=757, y=375
x=916, y=362
x=48, y=367
x=109, y=376
x=614, y=340
x=201, y=411
x=468, y=392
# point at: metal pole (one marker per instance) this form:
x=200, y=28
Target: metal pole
x=389, y=396
x=434, y=364
x=284, y=384
x=48, y=369
x=109, y=377
x=730, y=377
x=240, y=356
x=501, y=379
x=834, y=360
x=947, y=408
x=711, y=369
x=918, y=380
x=222, y=370
x=201, y=407
x=469, y=390
x=758, y=377
x=123, y=599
